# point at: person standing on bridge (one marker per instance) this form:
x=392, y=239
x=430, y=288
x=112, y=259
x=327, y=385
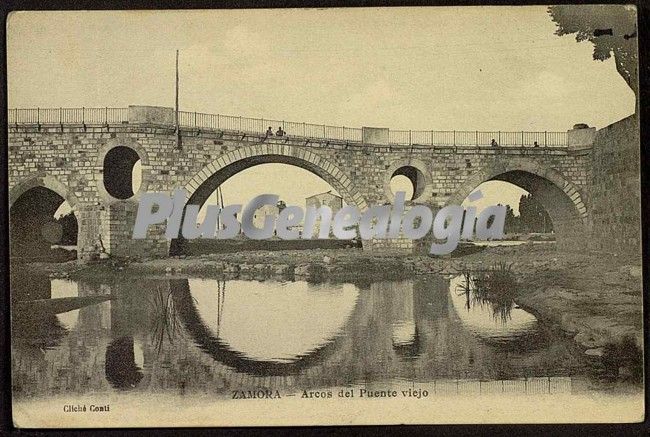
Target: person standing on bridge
x=269, y=132
x=280, y=132
x=535, y=144
x=494, y=143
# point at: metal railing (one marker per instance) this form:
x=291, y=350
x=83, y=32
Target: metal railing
x=259, y=126
x=49, y=116
x=478, y=138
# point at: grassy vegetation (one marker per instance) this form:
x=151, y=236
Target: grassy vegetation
x=495, y=286
x=623, y=359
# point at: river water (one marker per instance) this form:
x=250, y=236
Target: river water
x=211, y=336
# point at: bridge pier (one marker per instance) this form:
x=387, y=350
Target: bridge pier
x=106, y=230
x=90, y=219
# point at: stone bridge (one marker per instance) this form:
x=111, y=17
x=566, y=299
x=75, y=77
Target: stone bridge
x=86, y=158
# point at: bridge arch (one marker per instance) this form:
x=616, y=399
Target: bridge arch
x=563, y=200
x=42, y=179
x=117, y=158
x=33, y=203
x=218, y=171
x=416, y=171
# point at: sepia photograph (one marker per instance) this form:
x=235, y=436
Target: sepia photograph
x=325, y=216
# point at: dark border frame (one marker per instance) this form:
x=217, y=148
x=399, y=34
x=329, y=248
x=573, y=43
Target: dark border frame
x=6, y=424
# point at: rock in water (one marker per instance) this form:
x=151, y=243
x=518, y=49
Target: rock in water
x=596, y=352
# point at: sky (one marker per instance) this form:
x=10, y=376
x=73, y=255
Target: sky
x=440, y=68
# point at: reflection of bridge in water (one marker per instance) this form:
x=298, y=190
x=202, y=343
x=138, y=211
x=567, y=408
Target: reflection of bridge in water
x=401, y=330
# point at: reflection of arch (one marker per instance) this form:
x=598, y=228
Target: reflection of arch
x=223, y=353
x=33, y=328
x=121, y=369
x=561, y=198
x=214, y=174
x=409, y=350
x=48, y=333
x=518, y=330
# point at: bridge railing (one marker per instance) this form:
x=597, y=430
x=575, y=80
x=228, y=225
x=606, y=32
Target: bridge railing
x=478, y=138
x=68, y=116
x=259, y=126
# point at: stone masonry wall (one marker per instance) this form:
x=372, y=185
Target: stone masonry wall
x=73, y=155
x=615, y=189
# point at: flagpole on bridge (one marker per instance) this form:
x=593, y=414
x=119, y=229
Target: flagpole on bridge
x=176, y=122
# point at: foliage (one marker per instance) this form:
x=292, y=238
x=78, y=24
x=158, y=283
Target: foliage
x=532, y=217
x=165, y=321
x=69, y=225
x=611, y=28
x=495, y=286
x=512, y=223
x=620, y=355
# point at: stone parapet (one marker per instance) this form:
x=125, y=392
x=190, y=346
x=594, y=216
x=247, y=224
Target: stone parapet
x=581, y=137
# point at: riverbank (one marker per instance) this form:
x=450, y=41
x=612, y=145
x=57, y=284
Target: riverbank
x=594, y=298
